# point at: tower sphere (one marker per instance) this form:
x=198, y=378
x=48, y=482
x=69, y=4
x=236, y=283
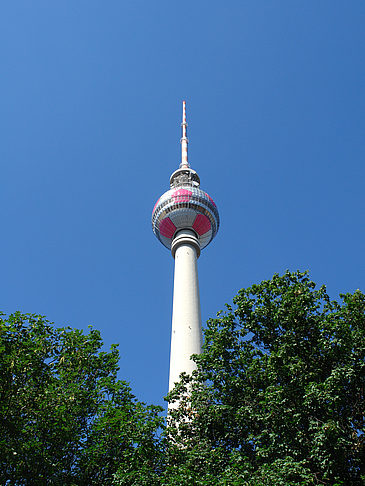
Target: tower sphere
x=185, y=206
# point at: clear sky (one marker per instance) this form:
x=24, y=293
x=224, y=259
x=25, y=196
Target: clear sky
x=90, y=113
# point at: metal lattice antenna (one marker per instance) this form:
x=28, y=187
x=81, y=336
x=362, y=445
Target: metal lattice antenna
x=184, y=141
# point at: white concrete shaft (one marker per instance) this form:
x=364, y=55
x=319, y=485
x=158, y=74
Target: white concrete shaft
x=186, y=336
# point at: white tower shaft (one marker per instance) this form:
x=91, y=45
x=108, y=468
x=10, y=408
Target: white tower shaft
x=186, y=336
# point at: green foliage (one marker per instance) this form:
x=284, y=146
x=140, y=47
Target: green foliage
x=65, y=419
x=278, y=398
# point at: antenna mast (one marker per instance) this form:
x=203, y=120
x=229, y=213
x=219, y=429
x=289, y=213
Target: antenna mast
x=184, y=141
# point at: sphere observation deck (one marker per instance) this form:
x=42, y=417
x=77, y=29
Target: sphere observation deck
x=185, y=206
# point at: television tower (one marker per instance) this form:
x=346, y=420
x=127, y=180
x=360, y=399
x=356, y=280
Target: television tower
x=185, y=219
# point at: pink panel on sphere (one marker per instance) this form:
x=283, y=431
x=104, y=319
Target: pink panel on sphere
x=154, y=207
x=181, y=195
x=210, y=199
x=167, y=228
x=201, y=224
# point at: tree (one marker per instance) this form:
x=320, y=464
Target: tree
x=65, y=418
x=278, y=398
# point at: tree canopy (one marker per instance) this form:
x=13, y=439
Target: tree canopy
x=278, y=398
x=65, y=418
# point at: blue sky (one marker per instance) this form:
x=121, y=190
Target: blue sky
x=90, y=119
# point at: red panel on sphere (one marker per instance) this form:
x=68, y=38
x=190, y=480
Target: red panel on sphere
x=201, y=224
x=154, y=207
x=167, y=228
x=210, y=199
x=182, y=195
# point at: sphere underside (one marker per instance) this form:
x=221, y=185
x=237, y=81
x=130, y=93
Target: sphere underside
x=185, y=207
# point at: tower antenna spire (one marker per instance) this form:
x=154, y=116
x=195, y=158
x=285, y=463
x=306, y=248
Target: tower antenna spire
x=184, y=140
